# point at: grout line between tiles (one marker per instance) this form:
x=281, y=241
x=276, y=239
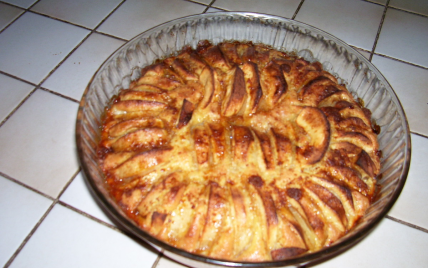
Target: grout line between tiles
x=408, y=11
x=59, y=94
x=26, y=186
x=24, y=9
x=18, y=78
x=29, y=95
x=112, y=36
x=65, y=58
x=419, y=134
x=108, y=225
x=371, y=2
x=68, y=183
x=379, y=30
x=91, y=31
x=10, y=23
x=359, y=48
x=38, y=86
x=87, y=215
x=208, y=7
x=407, y=224
x=298, y=9
x=27, y=238
x=197, y=3
x=58, y=19
x=157, y=260
x=108, y=15
x=213, y=6
x=397, y=8
x=402, y=61
x=81, y=26
x=36, y=226
x=32, y=5
x=18, y=106
x=222, y=9
x=12, y=5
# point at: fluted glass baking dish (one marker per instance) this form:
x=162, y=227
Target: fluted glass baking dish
x=362, y=79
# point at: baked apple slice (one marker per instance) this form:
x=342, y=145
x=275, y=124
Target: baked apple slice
x=252, y=85
x=142, y=161
x=230, y=52
x=243, y=139
x=310, y=218
x=317, y=90
x=201, y=140
x=161, y=76
x=207, y=80
x=145, y=138
x=127, y=126
x=182, y=70
x=192, y=61
x=214, y=57
x=268, y=208
x=219, y=142
x=143, y=95
x=145, y=87
x=186, y=113
x=317, y=127
x=199, y=205
x=273, y=84
x=284, y=148
x=266, y=149
x=236, y=93
x=129, y=109
x=215, y=224
x=247, y=52
x=367, y=164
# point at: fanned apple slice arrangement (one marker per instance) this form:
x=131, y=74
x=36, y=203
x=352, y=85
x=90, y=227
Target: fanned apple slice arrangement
x=240, y=152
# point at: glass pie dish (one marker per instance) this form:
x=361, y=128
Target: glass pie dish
x=362, y=79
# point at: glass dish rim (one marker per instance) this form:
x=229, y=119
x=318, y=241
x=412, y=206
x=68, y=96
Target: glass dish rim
x=321, y=254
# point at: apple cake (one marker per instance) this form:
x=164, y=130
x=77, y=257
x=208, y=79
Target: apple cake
x=241, y=152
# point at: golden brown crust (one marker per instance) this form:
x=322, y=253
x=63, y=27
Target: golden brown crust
x=237, y=151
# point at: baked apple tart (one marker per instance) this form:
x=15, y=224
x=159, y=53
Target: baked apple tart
x=240, y=152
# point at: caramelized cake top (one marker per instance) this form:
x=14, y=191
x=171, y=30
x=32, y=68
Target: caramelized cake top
x=240, y=152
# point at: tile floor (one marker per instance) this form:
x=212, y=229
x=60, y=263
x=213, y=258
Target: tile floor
x=50, y=49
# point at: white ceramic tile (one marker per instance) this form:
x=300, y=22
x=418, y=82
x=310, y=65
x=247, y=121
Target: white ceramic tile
x=134, y=16
x=8, y=14
x=68, y=239
x=168, y=263
x=408, y=206
x=382, y=2
x=78, y=196
x=404, y=36
x=284, y=8
x=38, y=143
x=205, y=2
x=354, y=21
x=21, y=3
x=33, y=45
x=417, y=6
x=88, y=13
x=391, y=245
x=20, y=210
x=72, y=77
x=12, y=92
x=410, y=85
x=212, y=9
